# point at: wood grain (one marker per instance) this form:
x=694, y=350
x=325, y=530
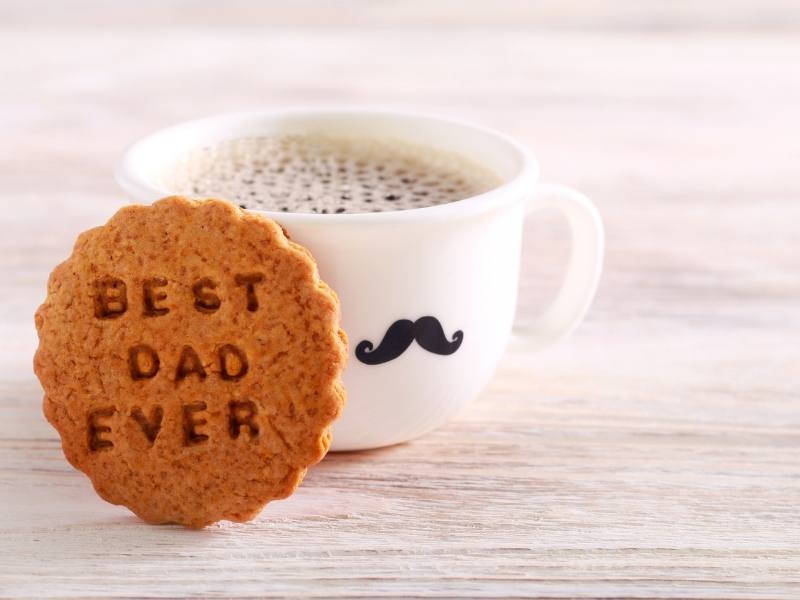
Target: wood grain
x=656, y=454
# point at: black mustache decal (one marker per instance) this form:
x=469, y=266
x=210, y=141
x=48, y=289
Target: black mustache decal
x=426, y=330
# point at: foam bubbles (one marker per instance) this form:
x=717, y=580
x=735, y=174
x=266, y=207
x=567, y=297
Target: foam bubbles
x=328, y=175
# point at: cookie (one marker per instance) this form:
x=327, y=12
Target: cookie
x=191, y=360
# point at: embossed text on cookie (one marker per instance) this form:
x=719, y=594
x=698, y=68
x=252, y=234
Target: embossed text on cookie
x=242, y=415
x=112, y=301
x=111, y=295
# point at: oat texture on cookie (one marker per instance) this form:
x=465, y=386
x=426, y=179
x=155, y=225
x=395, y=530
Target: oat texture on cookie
x=191, y=360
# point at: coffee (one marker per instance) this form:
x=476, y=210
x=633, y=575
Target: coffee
x=327, y=175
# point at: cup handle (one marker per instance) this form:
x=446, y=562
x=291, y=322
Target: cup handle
x=585, y=263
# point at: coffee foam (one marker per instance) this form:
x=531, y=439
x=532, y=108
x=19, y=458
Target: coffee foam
x=322, y=174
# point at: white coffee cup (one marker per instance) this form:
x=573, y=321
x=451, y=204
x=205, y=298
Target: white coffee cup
x=457, y=262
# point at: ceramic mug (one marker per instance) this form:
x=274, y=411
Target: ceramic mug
x=428, y=295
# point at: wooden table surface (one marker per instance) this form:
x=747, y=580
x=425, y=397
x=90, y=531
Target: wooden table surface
x=654, y=454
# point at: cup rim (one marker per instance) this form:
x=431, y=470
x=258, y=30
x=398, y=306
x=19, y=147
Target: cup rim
x=131, y=179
